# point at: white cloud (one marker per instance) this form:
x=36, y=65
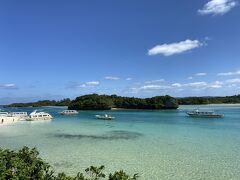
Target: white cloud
x=154, y=81
x=111, y=78
x=190, y=77
x=154, y=87
x=200, y=74
x=196, y=84
x=8, y=86
x=236, y=80
x=89, y=84
x=217, y=7
x=177, y=85
x=216, y=85
x=128, y=79
x=229, y=73
x=149, y=87
x=167, y=86
x=174, y=48
x=199, y=85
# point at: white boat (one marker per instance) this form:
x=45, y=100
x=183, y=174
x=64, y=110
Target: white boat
x=105, y=117
x=4, y=113
x=69, y=112
x=207, y=114
x=39, y=116
x=12, y=117
x=20, y=115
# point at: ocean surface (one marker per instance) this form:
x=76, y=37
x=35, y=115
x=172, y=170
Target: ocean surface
x=165, y=145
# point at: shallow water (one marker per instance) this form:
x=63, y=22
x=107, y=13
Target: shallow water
x=156, y=144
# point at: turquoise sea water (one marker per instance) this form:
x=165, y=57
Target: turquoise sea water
x=156, y=144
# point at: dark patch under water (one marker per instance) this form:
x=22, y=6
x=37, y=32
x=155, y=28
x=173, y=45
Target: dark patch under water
x=110, y=135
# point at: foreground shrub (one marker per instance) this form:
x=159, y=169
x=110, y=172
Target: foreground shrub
x=25, y=164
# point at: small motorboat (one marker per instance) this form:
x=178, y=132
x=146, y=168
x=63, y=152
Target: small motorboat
x=69, y=112
x=105, y=117
x=204, y=114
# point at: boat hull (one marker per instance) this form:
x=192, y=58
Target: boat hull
x=104, y=118
x=205, y=115
x=39, y=119
x=68, y=113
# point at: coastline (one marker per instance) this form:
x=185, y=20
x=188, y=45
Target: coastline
x=141, y=139
x=116, y=108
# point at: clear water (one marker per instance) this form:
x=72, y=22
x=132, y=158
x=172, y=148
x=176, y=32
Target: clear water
x=156, y=144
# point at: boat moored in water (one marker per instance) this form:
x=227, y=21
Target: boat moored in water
x=12, y=117
x=205, y=114
x=105, y=117
x=39, y=116
x=4, y=113
x=20, y=115
x=69, y=112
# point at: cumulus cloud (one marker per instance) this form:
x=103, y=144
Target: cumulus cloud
x=201, y=74
x=8, y=86
x=216, y=85
x=229, y=73
x=177, y=85
x=154, y=81
x=167, y=87
x=154, y=87
x=111, y=78
x=89, y=84
x=128, y=79
x=236, y=80
x=174, y=48
x=197, y=84
x=217, y=7
x=149, y=87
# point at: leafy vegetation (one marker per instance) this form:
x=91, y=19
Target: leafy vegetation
x=105, y=102
x=91, y=102
x=26, y=164
x=64, y=102
x=209, y=100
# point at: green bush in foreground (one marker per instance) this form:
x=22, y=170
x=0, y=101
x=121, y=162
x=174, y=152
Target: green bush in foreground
x=26, y=164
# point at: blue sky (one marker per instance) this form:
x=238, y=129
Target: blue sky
x=56, y=49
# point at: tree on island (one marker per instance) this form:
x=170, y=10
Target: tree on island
x=105, y=102
x=91, y=102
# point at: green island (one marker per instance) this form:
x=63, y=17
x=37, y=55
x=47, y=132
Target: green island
x=64, y=102
x=209, y=100
x=107, y=102
x=26, y=164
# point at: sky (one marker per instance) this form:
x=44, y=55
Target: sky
x=57, y=49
